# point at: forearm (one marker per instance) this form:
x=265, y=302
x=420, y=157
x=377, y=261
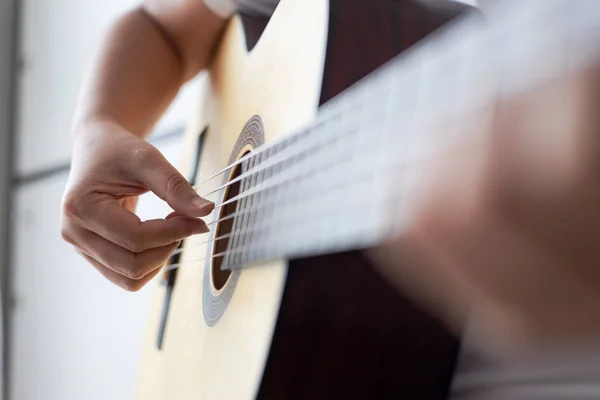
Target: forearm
x=139, y=70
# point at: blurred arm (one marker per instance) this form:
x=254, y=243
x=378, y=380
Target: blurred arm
x=566, y=373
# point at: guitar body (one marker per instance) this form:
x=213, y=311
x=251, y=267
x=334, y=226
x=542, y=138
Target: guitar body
x=324, y=327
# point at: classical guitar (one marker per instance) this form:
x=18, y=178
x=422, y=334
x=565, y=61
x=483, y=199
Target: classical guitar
x=307, y=137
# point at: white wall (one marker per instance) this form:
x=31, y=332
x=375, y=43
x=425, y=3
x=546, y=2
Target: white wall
x=74, y=335
x=58, y=38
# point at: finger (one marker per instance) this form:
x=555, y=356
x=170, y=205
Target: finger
x=131, y=285
x=158, y=175
x=124, y=262
x=174, y=214
x=122, y=227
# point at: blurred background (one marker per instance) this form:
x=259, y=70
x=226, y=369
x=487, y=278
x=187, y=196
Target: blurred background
x=70, y=335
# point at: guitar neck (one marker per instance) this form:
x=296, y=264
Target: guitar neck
x=354, y=176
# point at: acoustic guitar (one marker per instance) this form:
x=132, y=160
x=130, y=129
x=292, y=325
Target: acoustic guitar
x=308, y=137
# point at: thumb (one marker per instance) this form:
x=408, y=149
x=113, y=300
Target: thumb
x=158, y=175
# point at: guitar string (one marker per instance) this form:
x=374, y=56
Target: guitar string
x=251, y=211
x=229, y=251
x=271, y=183
x=265, y=185
x=217, y=255
x=263, y=205
x=346, y=213
x=339, y=111
x=269, y=164
x=343, y=105
x=278, y=140
x=293, y=135
x=276, y=180
x=248, y=211
x=263, y=166
x=239, y=197
x=356, y=204
x=299, y=171
x=304, y=146
x=236, y=232
x=346, y=140
x=296, y=174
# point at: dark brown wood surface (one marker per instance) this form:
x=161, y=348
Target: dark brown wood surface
x=342, y=331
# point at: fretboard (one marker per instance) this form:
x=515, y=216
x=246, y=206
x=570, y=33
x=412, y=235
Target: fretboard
x=352, y=177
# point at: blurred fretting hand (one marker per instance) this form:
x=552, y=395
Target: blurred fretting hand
x=507, y=233
x=149, y=53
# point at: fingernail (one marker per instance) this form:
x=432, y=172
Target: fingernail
x=201, y=227
x=199, y=202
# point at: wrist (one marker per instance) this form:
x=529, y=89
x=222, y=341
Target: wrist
x=92, y=121
x=85, y=123
x=92, y=132
x=92, y=126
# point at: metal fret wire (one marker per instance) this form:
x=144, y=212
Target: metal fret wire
x=544, y=34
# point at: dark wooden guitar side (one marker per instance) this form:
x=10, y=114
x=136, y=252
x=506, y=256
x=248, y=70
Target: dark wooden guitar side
x=342, y=331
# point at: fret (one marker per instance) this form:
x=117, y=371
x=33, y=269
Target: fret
x=270, y=218
x=378, y=214
x=238, y=225
x=253, y=181
x=233, y=259
x=276, y=223
x=275, y=193
x=246, y=235
x=262, y=215
x=267, y=217
x=253, y=200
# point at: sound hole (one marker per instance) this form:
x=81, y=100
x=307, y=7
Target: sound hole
x=219, y=276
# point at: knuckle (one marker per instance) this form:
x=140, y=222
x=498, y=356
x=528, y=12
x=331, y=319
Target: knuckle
x=132, y=268
x=136, y=275
x=144, y=155
x=127, y=243
x=66, y=236
x=131, y=285
x=136, y=270
x=134, y=242
x=175, y=235
x=71, y=206
x=125, y=266
x=175, y=182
